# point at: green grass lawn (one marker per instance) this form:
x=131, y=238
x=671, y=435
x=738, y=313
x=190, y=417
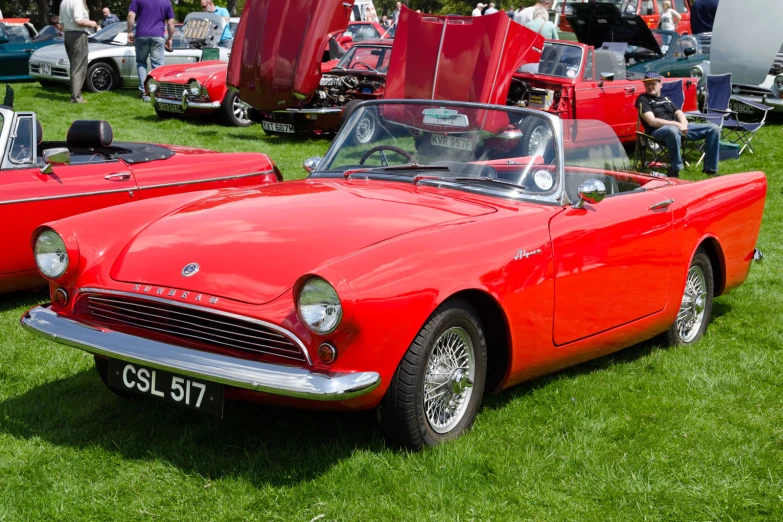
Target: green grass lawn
x=650, y=433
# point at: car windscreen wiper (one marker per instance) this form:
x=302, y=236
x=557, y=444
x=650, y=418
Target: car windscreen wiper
x=485, y=179
x=409, y=166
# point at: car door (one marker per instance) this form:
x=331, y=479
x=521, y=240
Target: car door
x=612, y=263
x=15, y=53
x=29, y=197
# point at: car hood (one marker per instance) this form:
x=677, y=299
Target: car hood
x=253, y=245
x=596, y=24
x=458, y=58
x=57, y=51
x=276, y=56
x=746, y=51
x=182, y=73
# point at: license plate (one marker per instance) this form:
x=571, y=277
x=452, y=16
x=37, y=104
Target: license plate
x=452, y=142
x=184, y=391
x=167, y=107
x=45, y=69
x=277, y=127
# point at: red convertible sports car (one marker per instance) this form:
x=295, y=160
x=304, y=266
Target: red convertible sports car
x=442, y=260
x=41, y=181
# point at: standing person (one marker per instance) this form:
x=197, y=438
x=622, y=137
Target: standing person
x=490, y=10
x=542, y=25
x=526, y=16
x=395, y=16
x=511, y=12
x=703, y=16
x=210, y=7
x=108, y=18
x=667, y=17
x=76, y=24
x=477, y=10
x=665, y=122
x=154, y=16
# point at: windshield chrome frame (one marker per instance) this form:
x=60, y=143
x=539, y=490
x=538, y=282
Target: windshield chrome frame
x=559, y=196
x=5, y=130
x=582, y=58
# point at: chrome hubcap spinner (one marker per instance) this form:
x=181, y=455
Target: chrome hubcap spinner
x=693, y=306
x=448, y=381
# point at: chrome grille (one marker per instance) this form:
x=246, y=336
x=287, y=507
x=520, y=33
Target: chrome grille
x=170, y=90
x=751, y=90
x=193, y=325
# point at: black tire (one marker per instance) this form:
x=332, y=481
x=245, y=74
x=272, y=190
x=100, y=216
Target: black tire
x=366, y=130
x=693, y=301
x=403, y=416
x=101, y=78
x=530, y=129
x=232, y=113
x=102, y=367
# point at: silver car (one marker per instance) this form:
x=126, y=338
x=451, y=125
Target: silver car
x=112, y=62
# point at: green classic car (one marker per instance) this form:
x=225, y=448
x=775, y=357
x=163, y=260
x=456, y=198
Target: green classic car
x=18, y=40
x=675, y=57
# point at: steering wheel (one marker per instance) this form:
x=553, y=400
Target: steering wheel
x=368, y=66
x=381, y=148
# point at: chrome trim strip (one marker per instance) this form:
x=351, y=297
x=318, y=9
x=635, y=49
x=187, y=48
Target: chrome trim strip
x=437, y=63
x=280, y=329
x=276, y=379
x=224, y=178
x=325, y=110
x=191, y=105
x=68, y=196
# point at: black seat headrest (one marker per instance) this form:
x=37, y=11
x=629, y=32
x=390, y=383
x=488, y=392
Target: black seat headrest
x=90, y=134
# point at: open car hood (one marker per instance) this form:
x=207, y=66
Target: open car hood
x=458, y=58
x=276, y=56
x=203, y=29
x=747, y=51
x=598, y=24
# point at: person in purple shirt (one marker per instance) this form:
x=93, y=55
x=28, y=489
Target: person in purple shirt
x=153, y=17
x=703, y=16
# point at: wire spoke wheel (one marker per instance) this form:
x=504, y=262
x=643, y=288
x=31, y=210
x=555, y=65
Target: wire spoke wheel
x=448, y=381
x=365, y=129
x=694, y=301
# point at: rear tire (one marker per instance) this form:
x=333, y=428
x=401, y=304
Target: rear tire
x=102, y=367
x=437, y=389
x=696, y=305
x=101, y=78
x=234, y=112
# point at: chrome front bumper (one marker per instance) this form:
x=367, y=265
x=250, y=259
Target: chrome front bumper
x=275, y=379
x=186, y=104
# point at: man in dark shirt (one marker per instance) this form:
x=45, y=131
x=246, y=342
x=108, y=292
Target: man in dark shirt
x=703, y=16
x=108, y=18
x=665, y=122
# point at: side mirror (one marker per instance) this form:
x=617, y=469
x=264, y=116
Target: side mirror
x=310, y=164
x=606, y=77
x=591, y=191
x=58, y=156
x=689, y=51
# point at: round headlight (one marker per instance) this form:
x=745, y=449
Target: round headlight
x=696, y=72
x=779, y=83
x=319, y=306
x=194, y=88
x=152, y=85
x=51, y=255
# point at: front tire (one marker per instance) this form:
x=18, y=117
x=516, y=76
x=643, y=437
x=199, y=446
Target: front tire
x=696, y=306
x=101, y=78
x=234, y=112
x=437, y=389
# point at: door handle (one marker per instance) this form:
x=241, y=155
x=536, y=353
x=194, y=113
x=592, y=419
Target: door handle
x=118, y=176
x=662, y=204
x=28, y=50
x=630, y=89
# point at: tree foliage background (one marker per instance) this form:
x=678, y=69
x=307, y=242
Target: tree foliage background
x=39, y=11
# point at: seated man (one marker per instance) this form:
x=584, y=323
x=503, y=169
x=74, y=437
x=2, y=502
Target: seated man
x=665, y=122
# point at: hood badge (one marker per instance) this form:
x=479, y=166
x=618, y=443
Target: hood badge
x=524, y=254
x=190, y=269
x=171, y=292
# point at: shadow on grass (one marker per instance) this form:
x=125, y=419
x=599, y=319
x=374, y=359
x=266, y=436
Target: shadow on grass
x=23, y=298
x=262, y=444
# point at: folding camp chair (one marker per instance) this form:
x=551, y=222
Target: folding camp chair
x=718, y=97
x=646, y=144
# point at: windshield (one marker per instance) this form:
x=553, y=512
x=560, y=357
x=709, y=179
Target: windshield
x=16, y=33
x=107, y=34
x=374, y=59
x=505, y=151
x=361, y=32
x=561, y=60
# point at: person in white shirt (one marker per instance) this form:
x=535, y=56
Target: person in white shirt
x=526, y=16
x=491, y=9
x=76, y=25
x=477, y=10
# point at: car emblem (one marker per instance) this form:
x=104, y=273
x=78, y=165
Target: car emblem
x=442, y=112
x=190, y=269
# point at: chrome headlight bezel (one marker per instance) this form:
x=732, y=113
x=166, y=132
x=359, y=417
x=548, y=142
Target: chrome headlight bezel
x=51, y=254
x=319, y=306
x=779, y=82
x=696, y=72
x=194, y=88
x=152, y=86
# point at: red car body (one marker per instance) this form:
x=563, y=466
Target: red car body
x=100, y=177
x=649, y=10
x=553, y=284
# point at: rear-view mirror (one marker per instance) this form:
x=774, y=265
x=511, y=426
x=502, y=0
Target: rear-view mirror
x=689, y=51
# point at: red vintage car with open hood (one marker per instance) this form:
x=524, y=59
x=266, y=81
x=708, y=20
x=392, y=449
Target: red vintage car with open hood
x=446, y=258
x=45, y=180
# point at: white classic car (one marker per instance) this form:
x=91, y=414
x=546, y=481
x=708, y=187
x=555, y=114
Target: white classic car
x=112, y=62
